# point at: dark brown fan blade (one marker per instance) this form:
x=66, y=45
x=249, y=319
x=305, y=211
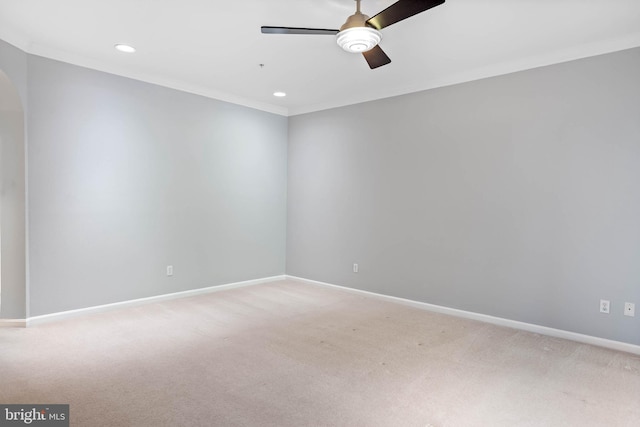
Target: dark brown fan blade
x=376, y=57
x=400, y=10
x=292, y=30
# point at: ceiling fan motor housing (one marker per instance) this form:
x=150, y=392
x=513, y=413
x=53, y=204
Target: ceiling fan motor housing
x=356, y=36
x=358, y=19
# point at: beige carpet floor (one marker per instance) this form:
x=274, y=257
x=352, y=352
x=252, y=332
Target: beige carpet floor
x=292, y=354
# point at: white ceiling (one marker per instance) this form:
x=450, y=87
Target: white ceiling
x=214, y=47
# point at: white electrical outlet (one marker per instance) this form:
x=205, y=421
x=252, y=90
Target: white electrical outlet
x=604, y=306
x=629, y=309
x=169, y=270
x=355, y=268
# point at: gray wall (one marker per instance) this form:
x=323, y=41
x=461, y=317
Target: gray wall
x=515, y=196
x=126, y=178
x=13, y=62
x=13, y=91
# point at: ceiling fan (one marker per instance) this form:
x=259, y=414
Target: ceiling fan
x=361, y=34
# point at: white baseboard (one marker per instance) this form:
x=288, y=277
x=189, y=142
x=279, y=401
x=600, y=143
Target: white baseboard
x=46, y=318
x=13, y=323
x=529, y=327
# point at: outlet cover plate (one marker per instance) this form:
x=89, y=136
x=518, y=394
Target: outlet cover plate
x=629, y=309
x=605, y=306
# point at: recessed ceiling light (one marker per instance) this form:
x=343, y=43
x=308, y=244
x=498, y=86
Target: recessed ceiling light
x=125, y=48
x=279, y=94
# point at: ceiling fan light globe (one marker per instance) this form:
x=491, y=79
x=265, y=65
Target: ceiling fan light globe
x=358, y=39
